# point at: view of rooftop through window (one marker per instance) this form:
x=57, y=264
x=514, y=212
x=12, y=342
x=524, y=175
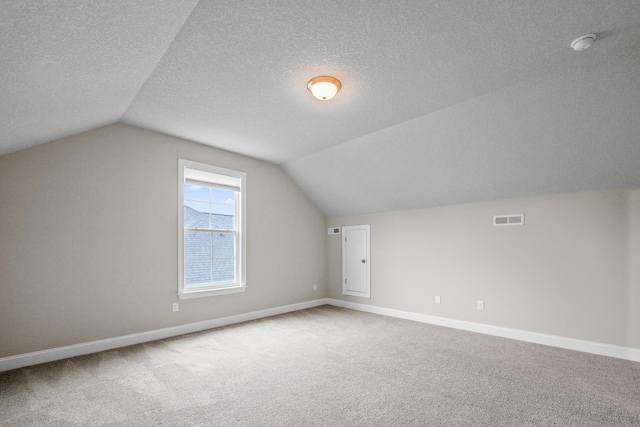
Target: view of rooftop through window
x=210, y=250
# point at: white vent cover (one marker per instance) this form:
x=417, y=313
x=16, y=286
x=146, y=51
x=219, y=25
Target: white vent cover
x=515, y=219
x=333, y=230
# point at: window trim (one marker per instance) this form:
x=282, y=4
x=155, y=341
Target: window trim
x=240, y=285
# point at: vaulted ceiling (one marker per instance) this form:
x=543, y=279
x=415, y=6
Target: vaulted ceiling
x=443, y=102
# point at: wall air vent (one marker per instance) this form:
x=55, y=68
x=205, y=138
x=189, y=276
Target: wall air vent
x=333, y=230
x=515, y=219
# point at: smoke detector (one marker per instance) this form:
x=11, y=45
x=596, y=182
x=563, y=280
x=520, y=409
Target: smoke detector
x=582, y=43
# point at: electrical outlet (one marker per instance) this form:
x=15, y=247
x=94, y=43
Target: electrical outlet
x=315, y=287
x=437, y=299
x=176, y=307
x=480, y=305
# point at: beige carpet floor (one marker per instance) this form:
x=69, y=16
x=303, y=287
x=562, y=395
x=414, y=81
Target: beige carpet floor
x=326, y=367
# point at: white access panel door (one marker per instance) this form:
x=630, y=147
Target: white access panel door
x=356, y=261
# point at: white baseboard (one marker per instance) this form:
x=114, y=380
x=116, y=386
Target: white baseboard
x=36, y=357
x=619, y=352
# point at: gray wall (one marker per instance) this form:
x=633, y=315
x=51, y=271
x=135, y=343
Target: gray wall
x=88, y=239
x=88, y=249
x=573, y=270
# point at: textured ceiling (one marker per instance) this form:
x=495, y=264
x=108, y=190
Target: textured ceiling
x=443, y=102
x=73, y=65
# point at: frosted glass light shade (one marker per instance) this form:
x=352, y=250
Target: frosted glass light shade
x=324, y=87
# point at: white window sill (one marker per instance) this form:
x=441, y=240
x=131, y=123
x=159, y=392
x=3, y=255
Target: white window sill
x=211, y=292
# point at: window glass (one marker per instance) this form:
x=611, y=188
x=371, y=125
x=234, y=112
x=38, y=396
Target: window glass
x=211, y=225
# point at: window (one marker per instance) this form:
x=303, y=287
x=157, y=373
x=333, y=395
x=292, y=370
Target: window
x=211, y=241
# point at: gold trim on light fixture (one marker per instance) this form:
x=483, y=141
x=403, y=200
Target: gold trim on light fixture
x=324, y=87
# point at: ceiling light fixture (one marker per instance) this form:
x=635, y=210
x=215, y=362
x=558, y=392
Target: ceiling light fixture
x=582, y=43
x=324, y=87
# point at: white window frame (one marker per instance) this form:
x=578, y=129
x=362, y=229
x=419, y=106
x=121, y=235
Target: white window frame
x=240, y=284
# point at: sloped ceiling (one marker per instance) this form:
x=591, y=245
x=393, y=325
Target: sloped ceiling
x=74, y=65
x=443, y=102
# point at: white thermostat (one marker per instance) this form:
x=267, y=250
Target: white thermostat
x=333, y=230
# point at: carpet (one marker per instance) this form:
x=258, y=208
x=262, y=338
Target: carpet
x=326, y=366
